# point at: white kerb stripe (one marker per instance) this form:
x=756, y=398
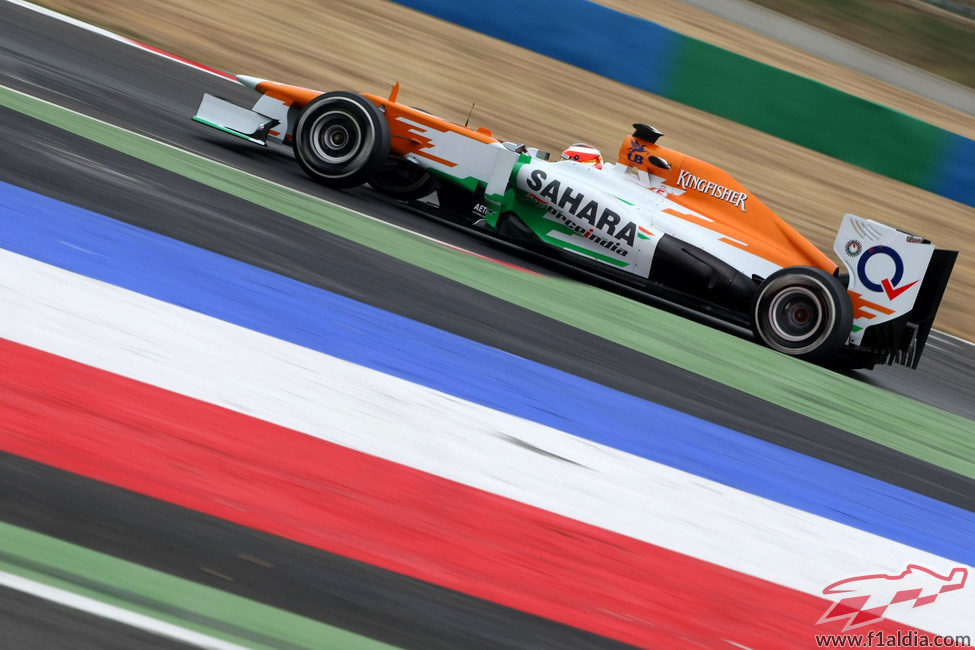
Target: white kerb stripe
x=111, y=612
x=129, y=334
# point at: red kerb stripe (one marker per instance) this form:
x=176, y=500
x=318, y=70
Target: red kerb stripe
x=273, y=479
x=176, y=57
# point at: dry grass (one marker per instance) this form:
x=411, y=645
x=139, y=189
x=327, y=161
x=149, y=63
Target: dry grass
x=523, y=96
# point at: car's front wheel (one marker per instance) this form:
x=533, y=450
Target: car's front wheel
x=803, y=312
x=341, y=139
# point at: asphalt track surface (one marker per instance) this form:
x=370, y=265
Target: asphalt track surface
x=149, y=95
x=31, y=623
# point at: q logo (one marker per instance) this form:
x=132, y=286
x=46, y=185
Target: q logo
x=887, y=285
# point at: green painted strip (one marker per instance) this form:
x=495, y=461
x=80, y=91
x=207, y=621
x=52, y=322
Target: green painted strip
x=164, y=597
x=904, y=424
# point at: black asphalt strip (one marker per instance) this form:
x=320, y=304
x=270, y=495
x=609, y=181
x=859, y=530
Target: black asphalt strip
x=31, y=623
x=323, y=586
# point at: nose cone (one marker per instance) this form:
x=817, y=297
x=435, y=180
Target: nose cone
x=250, y=82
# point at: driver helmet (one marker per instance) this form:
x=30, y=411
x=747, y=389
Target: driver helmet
x=584, y=153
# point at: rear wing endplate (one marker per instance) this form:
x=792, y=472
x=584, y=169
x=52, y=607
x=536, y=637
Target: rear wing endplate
x=897, y=281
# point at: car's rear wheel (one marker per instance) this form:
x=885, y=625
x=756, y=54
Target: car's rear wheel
x=341, y=139
x=803, y=312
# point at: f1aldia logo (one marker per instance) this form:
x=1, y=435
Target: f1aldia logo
x=887, y=285
x=865, y=599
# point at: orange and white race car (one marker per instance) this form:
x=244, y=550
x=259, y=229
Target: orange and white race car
x=657, y=219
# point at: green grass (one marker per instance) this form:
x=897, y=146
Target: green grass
x=941, y=44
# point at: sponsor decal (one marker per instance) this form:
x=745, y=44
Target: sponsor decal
x=865, y=599
x=853, y=248
x=605, y=227
x=688, y=180
x=636, y=153
x=863, y=308
x=887, y=285
x=588, y=233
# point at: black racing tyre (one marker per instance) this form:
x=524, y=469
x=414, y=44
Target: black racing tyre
x=403, y=180
x=341, y=139
x=803, y=312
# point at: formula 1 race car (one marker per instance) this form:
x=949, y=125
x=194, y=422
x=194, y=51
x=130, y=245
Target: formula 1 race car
x=660, y=220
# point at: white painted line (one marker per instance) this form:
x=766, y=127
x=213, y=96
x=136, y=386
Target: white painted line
x=951, y=337
x=111, y=612
x=192, y=354
x=50, y=13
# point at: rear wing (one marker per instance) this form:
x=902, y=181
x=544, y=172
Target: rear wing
x=897, y=281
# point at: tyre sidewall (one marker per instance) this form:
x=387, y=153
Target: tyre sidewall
x=829, y=328
x=341, y=139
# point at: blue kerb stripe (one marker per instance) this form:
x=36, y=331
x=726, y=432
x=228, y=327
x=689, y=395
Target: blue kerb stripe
x=954, y=176
x=166, y=269
x=610, y=43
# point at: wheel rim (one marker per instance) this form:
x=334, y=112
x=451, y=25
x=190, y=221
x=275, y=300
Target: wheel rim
x=795, y=314
x=336, y=137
